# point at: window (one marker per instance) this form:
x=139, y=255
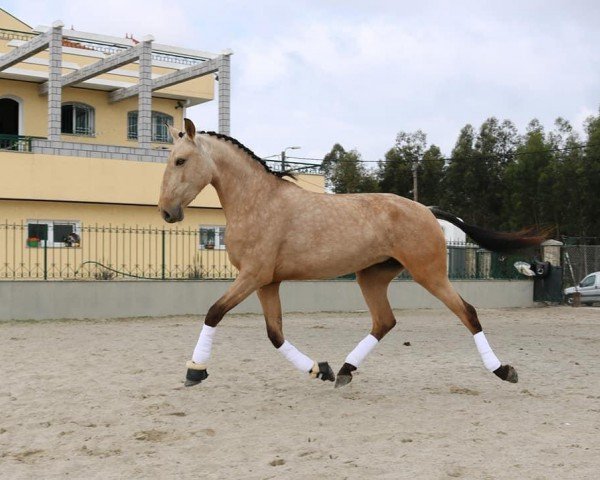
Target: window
x=212, y=238
x=588, y=281
x=160, y=132
x=77, y=119
x=57, y=233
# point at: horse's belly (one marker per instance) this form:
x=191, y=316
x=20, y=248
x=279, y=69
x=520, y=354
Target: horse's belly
x=320, y=263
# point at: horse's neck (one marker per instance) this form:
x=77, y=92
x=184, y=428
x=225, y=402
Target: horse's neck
x=240, y=182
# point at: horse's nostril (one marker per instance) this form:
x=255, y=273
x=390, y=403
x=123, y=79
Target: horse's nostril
x=166, y=215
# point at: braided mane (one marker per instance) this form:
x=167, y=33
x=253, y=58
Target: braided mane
x=237, y=143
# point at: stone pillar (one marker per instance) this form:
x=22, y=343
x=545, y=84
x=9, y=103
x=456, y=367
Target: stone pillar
x=225, y=92
x=471, y=261
x=54, y=82
x=551, y=252
x=484, y=266
x=145, y=94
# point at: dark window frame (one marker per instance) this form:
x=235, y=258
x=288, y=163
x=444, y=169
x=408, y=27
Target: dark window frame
x=160, y=133
x=73, y=113
x=49, y=234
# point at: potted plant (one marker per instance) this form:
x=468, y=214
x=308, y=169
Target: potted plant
x=209, y=246
x=33, y=242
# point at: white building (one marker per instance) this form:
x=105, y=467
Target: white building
x=452, y=233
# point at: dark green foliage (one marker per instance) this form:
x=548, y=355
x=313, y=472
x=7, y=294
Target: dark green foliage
x=494, y=177
x=344, y=172
x=431, y=175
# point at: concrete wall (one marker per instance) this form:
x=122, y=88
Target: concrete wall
x=48, y=300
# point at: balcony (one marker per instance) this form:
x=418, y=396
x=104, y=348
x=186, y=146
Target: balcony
x=15, y=143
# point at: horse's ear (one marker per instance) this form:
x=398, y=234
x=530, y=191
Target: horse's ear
x=190, y=128
x=173, y=131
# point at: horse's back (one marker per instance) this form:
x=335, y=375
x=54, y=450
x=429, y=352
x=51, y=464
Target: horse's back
x=330, y=235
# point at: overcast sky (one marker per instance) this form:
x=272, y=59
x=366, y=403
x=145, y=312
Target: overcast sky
x=313, y=73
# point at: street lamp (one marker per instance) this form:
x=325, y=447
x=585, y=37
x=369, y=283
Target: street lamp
x=283, y=156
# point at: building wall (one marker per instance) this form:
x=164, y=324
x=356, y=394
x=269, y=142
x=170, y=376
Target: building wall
x=14, y=211
x=31, y=176
x=110, y=119
x=12, y=23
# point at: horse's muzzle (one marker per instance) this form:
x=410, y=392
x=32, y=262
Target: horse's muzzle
x=175, y=215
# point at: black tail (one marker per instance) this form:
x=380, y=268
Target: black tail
x=495, y=241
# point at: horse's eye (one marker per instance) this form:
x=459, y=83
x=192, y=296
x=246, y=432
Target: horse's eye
x=180, y=161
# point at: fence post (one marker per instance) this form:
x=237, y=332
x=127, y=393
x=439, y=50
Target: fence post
x=471, y=261
x=45, y=259
x=551, y=252
x=163, y=254
x=484, y=266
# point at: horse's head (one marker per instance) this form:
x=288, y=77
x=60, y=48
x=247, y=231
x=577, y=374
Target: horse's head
x=189, y=170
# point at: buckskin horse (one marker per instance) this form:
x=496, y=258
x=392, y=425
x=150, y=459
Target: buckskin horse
x=278, y=231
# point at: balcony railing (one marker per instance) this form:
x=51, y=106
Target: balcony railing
x=7, y=34
x=300, y=167
x=16, y=143
x=107, y=49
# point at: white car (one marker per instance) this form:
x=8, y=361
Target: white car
x=589, y=288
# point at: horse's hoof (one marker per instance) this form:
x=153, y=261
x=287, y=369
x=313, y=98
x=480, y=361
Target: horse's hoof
x=195, y=374
x=507, y=373
x=342, y=380
x=323, y=371
x=344, y=376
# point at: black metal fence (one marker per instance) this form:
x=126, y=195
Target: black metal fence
x=470, y=262
x=67, y=250
x=54, y=250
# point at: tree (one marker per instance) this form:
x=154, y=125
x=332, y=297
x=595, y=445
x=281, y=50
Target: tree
x=474, y=180
x=396, y=172
x=344, y=172
x=530, y=181
x=569, y=177
x=460, y=176
x=494, y=148
x=590, y=205
x=431, y=174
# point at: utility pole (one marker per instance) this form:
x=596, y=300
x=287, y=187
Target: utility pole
x=283, y=156
x=415, y=181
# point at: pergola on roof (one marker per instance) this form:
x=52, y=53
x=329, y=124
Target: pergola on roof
x=188, y=64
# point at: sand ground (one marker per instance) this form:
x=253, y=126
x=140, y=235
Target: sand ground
x=104, y=399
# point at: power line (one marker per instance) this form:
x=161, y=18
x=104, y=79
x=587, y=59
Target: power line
x=449, y=159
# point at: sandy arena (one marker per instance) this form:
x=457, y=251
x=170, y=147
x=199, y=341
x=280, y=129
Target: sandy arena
x=105, y=399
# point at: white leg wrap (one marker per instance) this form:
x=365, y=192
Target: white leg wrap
x=204, y=345
x=360, y=352
x=298, y=359
x=490, y=361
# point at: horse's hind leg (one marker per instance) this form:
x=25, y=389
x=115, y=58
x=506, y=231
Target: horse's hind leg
x=271, y=304
x=434, y=278
x=373, y=282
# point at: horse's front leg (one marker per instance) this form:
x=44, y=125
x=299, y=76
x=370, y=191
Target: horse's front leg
x=373, y=282
x=271, y=305
x=243, y=286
